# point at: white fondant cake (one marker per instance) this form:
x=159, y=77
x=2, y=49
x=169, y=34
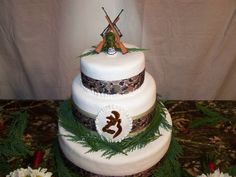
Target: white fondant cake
x=114, y=96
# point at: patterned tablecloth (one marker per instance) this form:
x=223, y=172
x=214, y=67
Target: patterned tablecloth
x=206, y=130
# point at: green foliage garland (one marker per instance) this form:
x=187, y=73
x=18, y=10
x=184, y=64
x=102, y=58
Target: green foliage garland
x=95, y=142
x=93, y=52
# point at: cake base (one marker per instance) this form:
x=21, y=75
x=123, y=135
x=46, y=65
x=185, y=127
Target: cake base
x=119, y=165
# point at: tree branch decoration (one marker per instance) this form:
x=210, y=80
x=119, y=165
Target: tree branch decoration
x=95, y=142
x=104, y=49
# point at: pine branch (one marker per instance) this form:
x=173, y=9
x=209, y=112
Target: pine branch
x=13, y=144
x=95, y=142
x=134, y=49
x=60, y=168
x=84, y=136
x=211, y=117
x=150, y=134
x=170, y=167
x=93, y=52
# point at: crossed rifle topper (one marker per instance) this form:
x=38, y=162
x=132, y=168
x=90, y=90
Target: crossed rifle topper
x=111, y=35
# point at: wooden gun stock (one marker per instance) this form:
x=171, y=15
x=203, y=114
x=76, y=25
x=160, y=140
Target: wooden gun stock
x=100, y=46
x=120, y=45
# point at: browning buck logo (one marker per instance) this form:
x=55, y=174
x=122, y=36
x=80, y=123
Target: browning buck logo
x=113, y=120
x=113, y=123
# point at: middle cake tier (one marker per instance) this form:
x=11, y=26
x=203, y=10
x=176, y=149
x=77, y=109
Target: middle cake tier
x=139, y=104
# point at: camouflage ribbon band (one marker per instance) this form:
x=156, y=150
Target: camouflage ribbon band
x=140, y=122
x=122, y=86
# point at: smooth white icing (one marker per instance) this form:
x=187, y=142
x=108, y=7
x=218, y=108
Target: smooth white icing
x=113, y=67
x=136, y=102
x=119, y=165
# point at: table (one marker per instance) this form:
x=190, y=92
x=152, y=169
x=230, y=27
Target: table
x=209, y=142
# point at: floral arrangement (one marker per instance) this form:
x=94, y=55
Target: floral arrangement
x=29, y=172
x=216, y=173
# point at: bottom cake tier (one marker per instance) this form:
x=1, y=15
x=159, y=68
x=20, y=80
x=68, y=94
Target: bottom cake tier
x=119, y=165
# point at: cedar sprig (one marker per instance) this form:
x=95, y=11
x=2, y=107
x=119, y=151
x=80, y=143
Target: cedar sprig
x=84, y=136
x=13, y=144
x=151, y=133
x=95, y=142
x=170, y=167
x=60, y=169
x=210, y=117
x=93, y=52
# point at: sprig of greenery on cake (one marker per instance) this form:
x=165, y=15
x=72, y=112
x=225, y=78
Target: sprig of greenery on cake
x=93, y=51
x=95, y=142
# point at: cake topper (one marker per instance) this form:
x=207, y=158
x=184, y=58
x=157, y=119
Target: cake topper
x=111, y=42
x=111, y=37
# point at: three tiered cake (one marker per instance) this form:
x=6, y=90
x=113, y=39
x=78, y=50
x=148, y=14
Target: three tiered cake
x=114, y=99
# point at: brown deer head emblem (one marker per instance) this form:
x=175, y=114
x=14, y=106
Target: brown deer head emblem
x=113, y=120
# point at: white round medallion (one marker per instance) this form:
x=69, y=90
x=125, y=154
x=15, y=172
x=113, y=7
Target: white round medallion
x=113, y=123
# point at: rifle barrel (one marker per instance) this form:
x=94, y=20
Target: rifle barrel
x=112, y=23
x=120, y=12
x=104, y=11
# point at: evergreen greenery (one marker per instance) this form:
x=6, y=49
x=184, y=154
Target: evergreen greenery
x=61, y=169
x=12, y=145
x=231, y=171
x=170, y=166
x=95, y=142
x=210, y=117
x=93, y=52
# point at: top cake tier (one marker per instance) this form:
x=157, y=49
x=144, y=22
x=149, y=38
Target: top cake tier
x=113, y=74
